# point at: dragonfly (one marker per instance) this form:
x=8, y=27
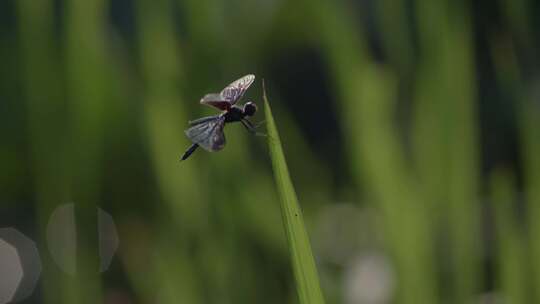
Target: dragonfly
x=207, y=132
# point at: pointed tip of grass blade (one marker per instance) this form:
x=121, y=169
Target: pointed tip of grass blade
x=305, y=272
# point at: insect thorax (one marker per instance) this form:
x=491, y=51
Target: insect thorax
x=234, y=114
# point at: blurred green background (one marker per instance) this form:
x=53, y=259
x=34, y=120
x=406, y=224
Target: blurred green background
x=411, y=129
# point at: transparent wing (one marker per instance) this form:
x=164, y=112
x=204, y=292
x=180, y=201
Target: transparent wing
x=199, y=121
x=209, y=135
x=217, y=101
x=234, y=91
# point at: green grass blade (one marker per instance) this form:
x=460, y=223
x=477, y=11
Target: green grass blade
x=305, y=272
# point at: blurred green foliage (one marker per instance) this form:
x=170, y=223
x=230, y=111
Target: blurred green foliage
x=395, y=118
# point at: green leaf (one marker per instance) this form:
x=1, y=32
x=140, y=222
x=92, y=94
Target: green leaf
x=305, y=272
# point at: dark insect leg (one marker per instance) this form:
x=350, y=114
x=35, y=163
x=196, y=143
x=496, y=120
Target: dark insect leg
x=189, y=151
x=201, y=120
x=251, y=128
x=252, y=125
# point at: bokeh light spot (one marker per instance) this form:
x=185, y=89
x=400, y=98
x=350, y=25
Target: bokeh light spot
x=62, y=238
x=11, y=270
x=369, y=279
x=20, y=266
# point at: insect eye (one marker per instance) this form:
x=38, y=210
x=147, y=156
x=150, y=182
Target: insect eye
x=250, y=108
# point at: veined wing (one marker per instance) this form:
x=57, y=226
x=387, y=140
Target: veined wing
x=234, y=91
x=217, y=101
x=209, y=135
x=201, y=120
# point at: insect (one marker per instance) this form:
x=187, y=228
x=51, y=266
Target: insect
x=207, y=132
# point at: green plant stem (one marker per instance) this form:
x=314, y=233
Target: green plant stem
x=305, y=272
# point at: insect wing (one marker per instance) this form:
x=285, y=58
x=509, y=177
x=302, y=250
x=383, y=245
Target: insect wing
x=234, y=91
x=217, y=101
x=209, y=135
x=202, y=120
